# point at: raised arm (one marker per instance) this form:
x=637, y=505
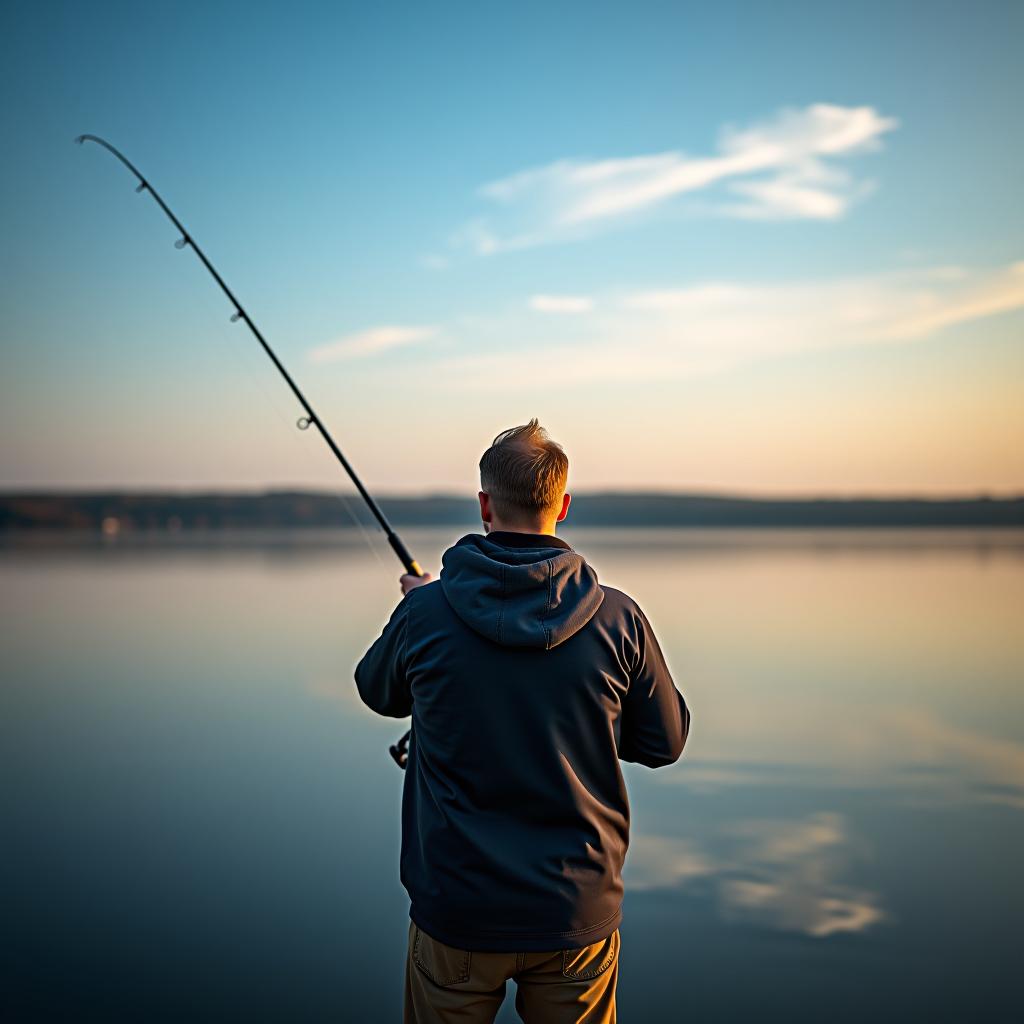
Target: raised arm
x=381, y=673
x=655, y=718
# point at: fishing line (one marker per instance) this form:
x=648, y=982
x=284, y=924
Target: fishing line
x=399, y=750
x=310, y=418
x=241, y=360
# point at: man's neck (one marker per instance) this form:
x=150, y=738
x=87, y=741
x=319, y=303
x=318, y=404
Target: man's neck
x=545, y=529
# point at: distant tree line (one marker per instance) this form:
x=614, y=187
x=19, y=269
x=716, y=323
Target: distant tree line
x=114, y=512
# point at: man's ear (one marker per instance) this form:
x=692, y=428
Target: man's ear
x=565, y=507
x=485, y=507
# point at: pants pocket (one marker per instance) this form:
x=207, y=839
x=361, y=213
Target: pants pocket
x=443, y=965
x=590, y=961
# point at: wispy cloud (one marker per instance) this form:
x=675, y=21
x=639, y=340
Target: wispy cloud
x=758, y=319
x=715, y=326
x=782, y=168
x=370, y=342
x=561, y=303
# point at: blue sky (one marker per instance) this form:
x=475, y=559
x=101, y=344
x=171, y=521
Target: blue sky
x=750, y=247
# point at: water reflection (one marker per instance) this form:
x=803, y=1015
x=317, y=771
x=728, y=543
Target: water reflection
x=785, y=874
x=922, y=756
x=201, y=819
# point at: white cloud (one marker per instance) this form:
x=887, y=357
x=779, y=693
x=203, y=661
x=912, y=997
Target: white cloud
x=1000, y=293
x=370, y=342
x=716, y=326
x=561, y=303
x=780, y=168
x=743, y=319
x=795, y=194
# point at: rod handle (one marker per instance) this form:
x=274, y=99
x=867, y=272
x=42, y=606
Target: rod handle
x=412, y=567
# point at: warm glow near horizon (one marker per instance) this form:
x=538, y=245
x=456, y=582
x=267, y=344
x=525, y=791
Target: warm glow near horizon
x=811, y=285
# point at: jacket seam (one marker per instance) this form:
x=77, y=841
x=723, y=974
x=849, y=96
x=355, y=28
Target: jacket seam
x=501, y=608
x=547, y=611
x=405, y=638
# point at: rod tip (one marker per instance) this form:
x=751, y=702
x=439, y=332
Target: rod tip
x=79, y=139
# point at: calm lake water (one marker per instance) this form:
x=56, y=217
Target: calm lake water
x=201, y=821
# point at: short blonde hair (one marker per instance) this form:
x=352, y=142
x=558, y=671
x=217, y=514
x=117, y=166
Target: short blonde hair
x=524, y=471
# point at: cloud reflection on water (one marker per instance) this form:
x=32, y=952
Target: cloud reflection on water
x=779, y=873
x=930, y=759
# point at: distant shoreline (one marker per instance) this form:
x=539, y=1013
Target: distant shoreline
x=117, y=512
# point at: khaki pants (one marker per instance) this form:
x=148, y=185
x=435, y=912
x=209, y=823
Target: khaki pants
x=570, y=986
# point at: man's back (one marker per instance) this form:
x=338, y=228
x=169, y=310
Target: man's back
x=527, y=681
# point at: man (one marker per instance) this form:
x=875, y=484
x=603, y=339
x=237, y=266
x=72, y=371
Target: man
x=527, y=682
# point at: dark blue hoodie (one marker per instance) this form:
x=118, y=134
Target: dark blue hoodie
x=527, y=682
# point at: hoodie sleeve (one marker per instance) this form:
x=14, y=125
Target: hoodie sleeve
x=381, y=676
x=655, y=718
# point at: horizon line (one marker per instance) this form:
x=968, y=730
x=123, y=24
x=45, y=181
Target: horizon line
x=428, y=495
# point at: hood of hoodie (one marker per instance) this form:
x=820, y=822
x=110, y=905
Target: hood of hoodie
x=521, y=596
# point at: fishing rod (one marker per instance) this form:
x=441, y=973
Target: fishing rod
x=399, y=750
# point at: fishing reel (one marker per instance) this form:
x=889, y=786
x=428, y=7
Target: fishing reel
x=400, y=751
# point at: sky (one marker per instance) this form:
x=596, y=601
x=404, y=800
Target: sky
x=747, y=248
